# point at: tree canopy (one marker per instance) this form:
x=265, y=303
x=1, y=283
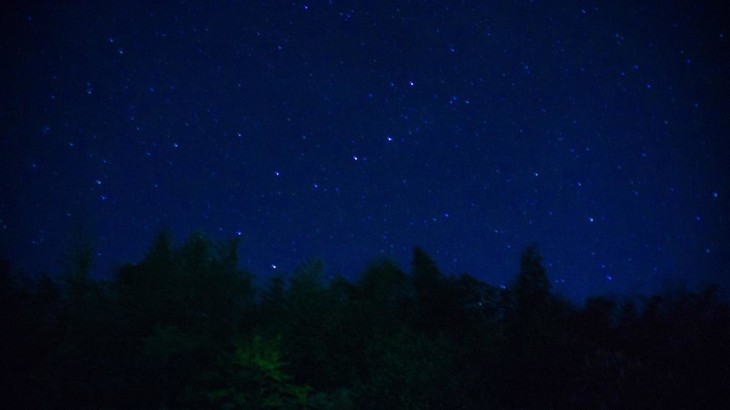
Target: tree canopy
x=186, y=328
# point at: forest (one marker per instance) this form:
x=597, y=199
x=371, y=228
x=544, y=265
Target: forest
x=186, y=328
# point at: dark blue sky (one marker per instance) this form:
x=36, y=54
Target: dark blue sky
x=352, y=130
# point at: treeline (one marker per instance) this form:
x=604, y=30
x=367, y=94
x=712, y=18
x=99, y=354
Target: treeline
x=186, y=328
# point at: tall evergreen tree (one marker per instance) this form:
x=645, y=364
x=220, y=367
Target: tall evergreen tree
x=532, y=287
x=437, y=298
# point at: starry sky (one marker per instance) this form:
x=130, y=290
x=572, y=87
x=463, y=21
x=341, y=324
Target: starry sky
x=355, y=130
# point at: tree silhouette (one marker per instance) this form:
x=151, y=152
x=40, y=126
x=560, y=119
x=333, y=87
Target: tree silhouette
x=532, y=287
x=536, y=363
x=181, y=329
x=437, y=300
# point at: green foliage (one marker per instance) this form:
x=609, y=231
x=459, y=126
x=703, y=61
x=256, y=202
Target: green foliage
x=264, y=356
x=259, y=380
x=181, y=329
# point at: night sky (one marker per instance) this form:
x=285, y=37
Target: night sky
x=356, y=130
